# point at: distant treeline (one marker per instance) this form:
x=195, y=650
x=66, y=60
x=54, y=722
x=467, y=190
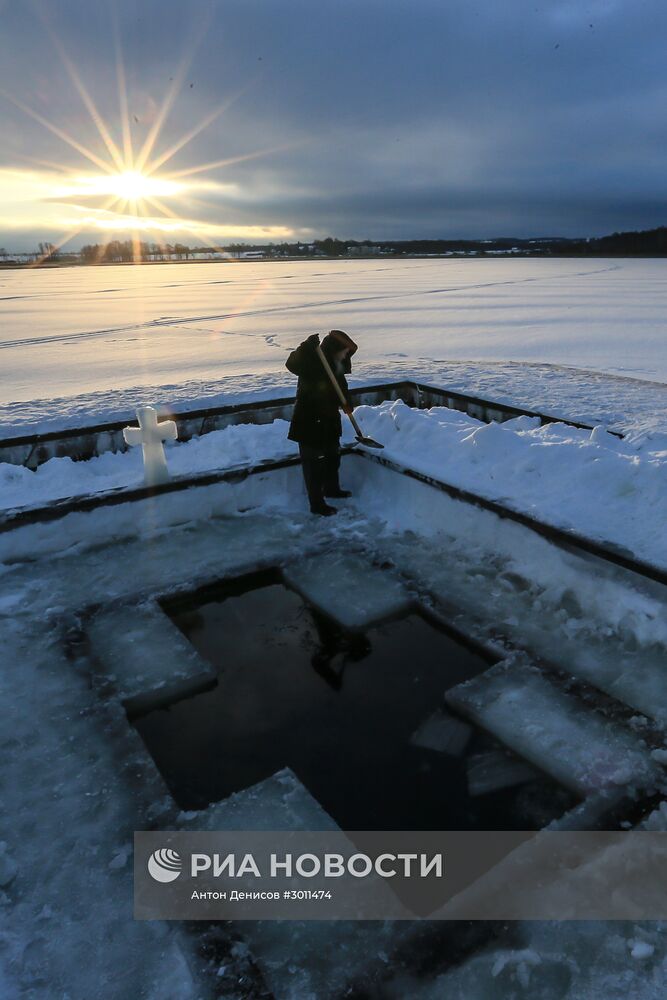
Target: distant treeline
x=644, y=243
x=652, y=242
x=118, y=251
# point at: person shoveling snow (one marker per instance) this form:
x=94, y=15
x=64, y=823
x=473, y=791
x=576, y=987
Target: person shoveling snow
x=316, y=425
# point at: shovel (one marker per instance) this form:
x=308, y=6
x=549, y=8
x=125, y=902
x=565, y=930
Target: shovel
x=369, y=442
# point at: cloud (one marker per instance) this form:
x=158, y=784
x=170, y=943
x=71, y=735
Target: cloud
x=383, y=119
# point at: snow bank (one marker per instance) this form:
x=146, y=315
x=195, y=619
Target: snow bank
x=610, y=489
x=591, y=482
x=238, y=445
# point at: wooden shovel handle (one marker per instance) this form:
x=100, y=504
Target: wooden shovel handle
x=339, y=391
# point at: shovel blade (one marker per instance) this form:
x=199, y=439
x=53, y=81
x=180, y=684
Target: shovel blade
x=369, y=442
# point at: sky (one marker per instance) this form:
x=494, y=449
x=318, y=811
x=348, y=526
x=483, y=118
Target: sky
x=212, y=121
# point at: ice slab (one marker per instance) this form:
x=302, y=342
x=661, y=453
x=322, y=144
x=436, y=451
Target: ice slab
x=281, y=802
x=348, y=588
x=147, y=660
x=601, y=627
x=444, y=733
x=298, y=959
x=492, y=771
x=554, y=730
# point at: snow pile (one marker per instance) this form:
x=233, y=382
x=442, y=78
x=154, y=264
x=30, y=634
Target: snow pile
x=610, y=489
x=238, y=445
x=591, y=482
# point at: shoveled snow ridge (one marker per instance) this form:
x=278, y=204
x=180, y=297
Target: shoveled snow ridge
x=605, y=488
x=591, y=482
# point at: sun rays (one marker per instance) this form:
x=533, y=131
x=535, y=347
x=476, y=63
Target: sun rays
x=132, y=184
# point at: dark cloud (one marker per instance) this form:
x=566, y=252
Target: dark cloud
x=427, y=118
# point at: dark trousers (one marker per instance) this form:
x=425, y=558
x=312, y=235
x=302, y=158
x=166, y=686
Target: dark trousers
x=320, y=471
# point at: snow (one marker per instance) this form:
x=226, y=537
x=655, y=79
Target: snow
x=554, y=730
x=554, y=961
x=94, y=775
x=590, y=482
x=587, y=481
x=579, y=338
x=641, y=949
x=8, y=867
x=143, y=657
x=235, y=446
x=298, y=958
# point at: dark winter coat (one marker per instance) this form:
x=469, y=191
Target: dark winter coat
x=316, y=419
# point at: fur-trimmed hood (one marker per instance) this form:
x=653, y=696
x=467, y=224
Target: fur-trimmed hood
x=334, y=340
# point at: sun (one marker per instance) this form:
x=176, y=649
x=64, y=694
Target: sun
x=126, y=182
x=132, y=185
x=129, y=186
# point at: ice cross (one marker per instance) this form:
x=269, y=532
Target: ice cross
x=150, y=435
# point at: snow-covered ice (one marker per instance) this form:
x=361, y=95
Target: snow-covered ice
x=570, y=960
x=578, y=338
x=77, y=783
x=143, y=658
x=298, y=958
x=348, y=589
x=92, y=769
x=78, y=780
x=583, y=339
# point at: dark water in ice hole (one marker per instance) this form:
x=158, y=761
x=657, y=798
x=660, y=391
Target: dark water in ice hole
x=337, y=707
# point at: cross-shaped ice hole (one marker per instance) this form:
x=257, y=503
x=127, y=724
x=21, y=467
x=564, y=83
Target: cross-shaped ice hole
x=150, y=435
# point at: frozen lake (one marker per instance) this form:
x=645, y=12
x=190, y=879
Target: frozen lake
x=492, y=577
x=102, y=336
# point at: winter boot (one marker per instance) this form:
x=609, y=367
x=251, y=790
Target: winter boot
x=313, y=465
x=337, y=494
x=332, y=488
x=322, y=508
